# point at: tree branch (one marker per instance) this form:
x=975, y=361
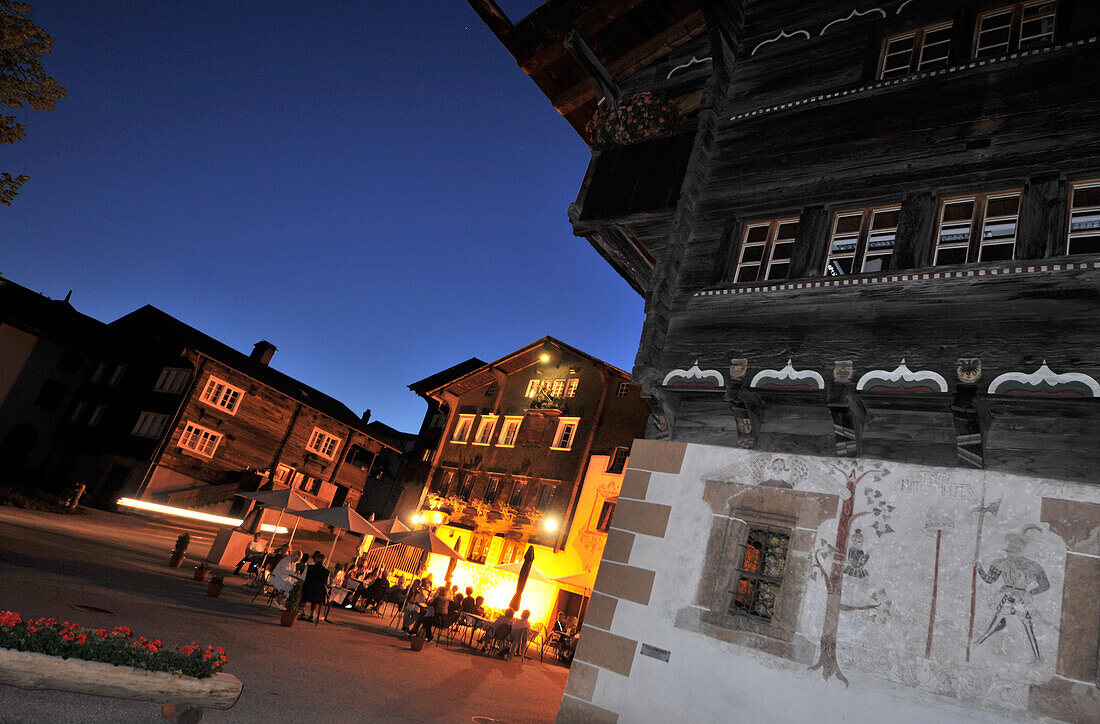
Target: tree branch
x=828, y=585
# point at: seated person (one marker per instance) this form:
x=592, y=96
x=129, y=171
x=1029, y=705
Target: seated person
x=468, y=603
x=455, y=606
x=496, y=629
x=338, y=575
x=375, y=593
x=435, y=616
x=282, y=578
x=412, y=608
x=521, y=629
x=562, y=624
x=253, y=554
x=479, y=606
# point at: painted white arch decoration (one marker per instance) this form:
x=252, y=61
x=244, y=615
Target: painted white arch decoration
x=1044, y=375
x=695, y=373
x=904, y=374
x=789, y=373
x=851, y=15
x=782, y=34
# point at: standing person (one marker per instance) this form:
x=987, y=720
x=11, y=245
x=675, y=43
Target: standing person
x=253, y=554
x=315, y=588
x=283, y=578
x=521, y=629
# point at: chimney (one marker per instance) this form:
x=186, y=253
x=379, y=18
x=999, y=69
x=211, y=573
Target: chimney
x=366, y=416
x=262, y=351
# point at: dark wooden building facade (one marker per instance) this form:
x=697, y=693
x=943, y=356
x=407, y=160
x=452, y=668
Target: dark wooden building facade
x=872, y=237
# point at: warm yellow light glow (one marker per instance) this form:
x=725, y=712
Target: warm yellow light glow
x=268, y=528
x=418, y=519
x=497, y=586
x=430, y=517
x=545, y=358
x=550, y=524
x=192, y=514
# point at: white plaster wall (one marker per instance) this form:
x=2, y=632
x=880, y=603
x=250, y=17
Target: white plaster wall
x=881, y=651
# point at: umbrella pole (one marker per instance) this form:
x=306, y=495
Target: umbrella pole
x=272, y=541
x=333, y=548
x=291, y=541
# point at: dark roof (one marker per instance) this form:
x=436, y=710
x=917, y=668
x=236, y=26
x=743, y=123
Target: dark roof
x=426, y=385
x=51, y=318
x=395, y=438
x=151, y=317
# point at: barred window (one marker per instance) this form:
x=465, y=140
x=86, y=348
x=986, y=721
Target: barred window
x=760, y=573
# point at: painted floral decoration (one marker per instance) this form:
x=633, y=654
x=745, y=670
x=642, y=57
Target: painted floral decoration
x=638, y=117
x=115, y=646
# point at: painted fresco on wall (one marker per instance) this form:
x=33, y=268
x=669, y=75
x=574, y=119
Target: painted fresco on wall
x=943, y=581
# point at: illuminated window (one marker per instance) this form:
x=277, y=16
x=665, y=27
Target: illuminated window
x=199, y=440
x=219, y=393
x=149, y=424
x=479, y=548
x=977, y=228
x=618, y=460
x=766, y=251
x=760, y=573
x=924, y=49
x=511, y=552
x=462, y=428
x=532, y=388
x=557, y=388
x=571, y=388
x=607, y=510
x=1022, y=26
x=443, y=482
x=492, y=489
x=172, y=380
x=862, y=241
x=283, y=473
x=1084, y=218
x=428, y=454
x=508, y=431
x=484, y=434
x=624, y=387
x=566, y=432
x=323, y=444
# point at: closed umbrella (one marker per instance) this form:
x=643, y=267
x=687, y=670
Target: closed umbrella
x=341, y=518
x=524, y=572
x=280, y=500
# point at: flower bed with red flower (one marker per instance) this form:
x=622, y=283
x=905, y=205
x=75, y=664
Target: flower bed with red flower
x=637, y=117
x=116, y=646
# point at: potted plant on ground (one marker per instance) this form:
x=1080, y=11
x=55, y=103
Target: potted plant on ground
x=201, y=571
x=416, y=642
x=216, y=585
x=293, y=601
x=181, y=547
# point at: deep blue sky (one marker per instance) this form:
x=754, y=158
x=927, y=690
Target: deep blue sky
x=374, y=187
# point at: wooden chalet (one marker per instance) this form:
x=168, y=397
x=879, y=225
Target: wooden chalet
x=869, y=245
x=173, y=416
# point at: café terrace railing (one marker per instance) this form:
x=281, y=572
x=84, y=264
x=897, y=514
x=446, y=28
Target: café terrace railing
x=400, y=557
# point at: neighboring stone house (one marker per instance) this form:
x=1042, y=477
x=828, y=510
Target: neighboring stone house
x=868, y=239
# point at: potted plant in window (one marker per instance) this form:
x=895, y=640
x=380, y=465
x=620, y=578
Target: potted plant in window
x=293, y=601
x=216, y=585
x=201, y=571
x=181, y=547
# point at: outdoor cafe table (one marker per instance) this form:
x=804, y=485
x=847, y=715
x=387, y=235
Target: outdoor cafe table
x=479, y=622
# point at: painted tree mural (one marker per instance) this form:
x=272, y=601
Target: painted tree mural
x=880, y=510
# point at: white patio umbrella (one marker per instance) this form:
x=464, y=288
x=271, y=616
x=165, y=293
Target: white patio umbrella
x=341, y=518
x=280, y=500
x=534, y=575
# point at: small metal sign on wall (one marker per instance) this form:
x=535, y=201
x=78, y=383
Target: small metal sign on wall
x=655, y=653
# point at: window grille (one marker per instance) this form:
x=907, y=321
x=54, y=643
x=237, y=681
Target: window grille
x=760, y=573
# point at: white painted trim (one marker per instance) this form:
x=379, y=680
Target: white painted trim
x=789, y=373
x=1085, y=555
x=694, y=373
x=1047, y=375
x=694, y=61
x=903, y=374
x=782, y=34
x=854, y=14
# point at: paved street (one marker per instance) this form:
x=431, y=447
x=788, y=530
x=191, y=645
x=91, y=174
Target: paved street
x=352, y=669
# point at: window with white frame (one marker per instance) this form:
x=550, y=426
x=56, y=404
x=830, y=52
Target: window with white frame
x=624, y=388
x=484, y=434
x=462, y=428
x=557, y=388
x=97, y=415
x=571, y=388
x=199, y=440
x=428, y=455
x=508, y=431
x=492, y=489
x=172, y=380
x=921, y=50
x=323, y=443
x=977, y=228
x=149, y=424
x=566, y=433
x=532, y=388
x=116, y=376
x=862, y=241
x=766, y=251
x=1022, y=26
x=283, y=473
x=1084, y=218
x=219, y=393
x=443, y=482
x=607, y=511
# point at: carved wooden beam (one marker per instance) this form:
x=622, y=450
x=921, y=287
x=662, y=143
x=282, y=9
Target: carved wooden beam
x=579, y=48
